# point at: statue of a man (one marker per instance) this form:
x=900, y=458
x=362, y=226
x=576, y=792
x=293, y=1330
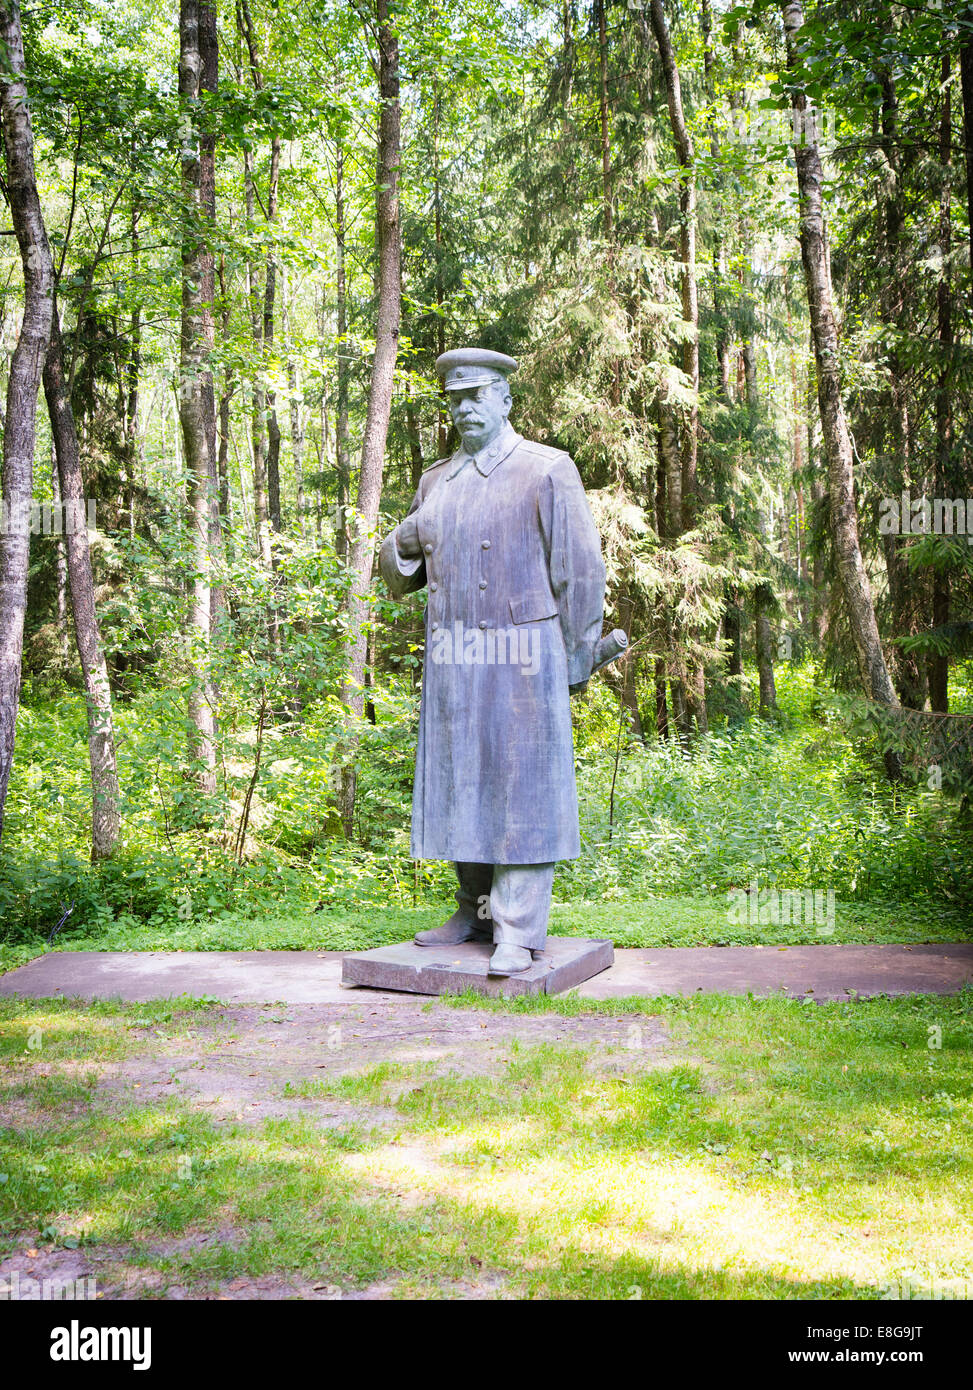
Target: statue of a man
x=502, y=537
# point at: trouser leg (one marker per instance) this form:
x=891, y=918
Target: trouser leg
x=473, y=895
x=520, y=904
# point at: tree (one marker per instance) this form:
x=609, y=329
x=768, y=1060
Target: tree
x=105, y=810
x=197, y=74
x=966, y=83
x=26, y=369
x=836, y=439
x=683, y=492
x=388, y=284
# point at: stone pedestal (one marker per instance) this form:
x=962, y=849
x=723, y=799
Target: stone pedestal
x=567, y=961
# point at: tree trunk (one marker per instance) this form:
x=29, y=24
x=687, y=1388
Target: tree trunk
x=908, y=675
x=909, y=678
x=61, y=569
x=607, y=211
x=605, y=134
x=669, y=521
x=661, y=708
x=226, y=396
x=764, y=641
x=966, y=82
x=748, y=354
x=196, y=400
x=938, y=663
x=442, y=426
x=258, y=403
x=209, y=77
x=687, y=254
x=297, y=415
x=669, y=457
x=258, y=399
x=322, y=435
x=820, y=598
x=133, y=368
x=263, y=321
x=695, y=685
x=26, y=368
x=270, y=294
x=380, y=389
x=415, y=440
x=342, y=446
x=719, y=249
x=105, y=811
x=680, y=715
x=834, y=428
x=732, y=632
x=659, y=507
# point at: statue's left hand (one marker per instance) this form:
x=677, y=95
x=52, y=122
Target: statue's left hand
x=407, y=539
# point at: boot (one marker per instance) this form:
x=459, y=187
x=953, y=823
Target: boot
x=458, y=928
x=510, y=960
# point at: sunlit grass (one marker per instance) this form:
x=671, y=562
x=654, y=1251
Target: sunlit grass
x=368, y=1085
x=778, y=1150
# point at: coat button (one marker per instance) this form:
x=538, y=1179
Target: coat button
x=427, y=549
x=485, y=545
x=434, y=587
x=483, y=583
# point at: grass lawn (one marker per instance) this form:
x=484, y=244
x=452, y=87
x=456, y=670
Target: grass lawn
x=709, y=1147
x=648, y=921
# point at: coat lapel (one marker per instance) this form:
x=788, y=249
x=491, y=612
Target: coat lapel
x=493, y=456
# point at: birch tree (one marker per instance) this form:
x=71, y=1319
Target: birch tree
x=26, y=369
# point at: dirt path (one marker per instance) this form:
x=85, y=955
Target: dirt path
x=238, y=1064
x=251, y=1064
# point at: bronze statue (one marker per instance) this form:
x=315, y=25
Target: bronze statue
x=502, y=538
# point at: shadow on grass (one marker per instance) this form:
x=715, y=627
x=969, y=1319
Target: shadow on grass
x=759, y=1168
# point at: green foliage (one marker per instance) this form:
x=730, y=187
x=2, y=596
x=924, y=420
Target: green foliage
x=802, y=804
x=517, y=233
x=806, y=806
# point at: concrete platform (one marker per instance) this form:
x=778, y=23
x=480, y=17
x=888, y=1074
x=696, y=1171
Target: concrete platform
x=568, y=961
x=314, y=977
x=237, y=977
x=818, y=972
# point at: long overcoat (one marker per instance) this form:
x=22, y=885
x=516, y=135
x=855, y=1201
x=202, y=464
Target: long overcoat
x=511, y=559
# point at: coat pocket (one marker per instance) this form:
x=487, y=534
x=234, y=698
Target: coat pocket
x=532, y=608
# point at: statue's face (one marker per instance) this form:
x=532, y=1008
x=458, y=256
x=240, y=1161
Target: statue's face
x=480, y=413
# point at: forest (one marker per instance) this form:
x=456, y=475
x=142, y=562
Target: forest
x=729, y=246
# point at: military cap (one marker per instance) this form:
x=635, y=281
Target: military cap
x=466, y=367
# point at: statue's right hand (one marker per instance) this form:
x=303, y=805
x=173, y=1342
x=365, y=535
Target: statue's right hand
x=407, y=539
